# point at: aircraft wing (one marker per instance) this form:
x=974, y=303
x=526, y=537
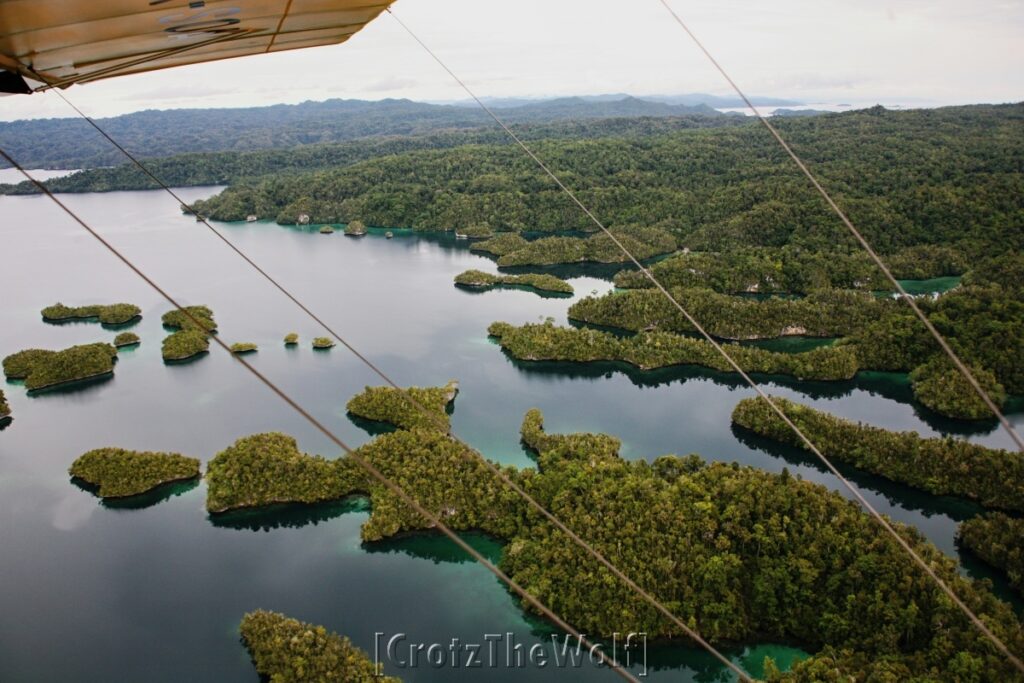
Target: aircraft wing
x=57, y=43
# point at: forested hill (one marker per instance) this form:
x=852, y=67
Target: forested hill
x=914, y=177
x=228, y=167
x=72, y=143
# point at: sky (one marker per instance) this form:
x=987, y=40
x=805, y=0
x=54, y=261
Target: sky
x=862, y=52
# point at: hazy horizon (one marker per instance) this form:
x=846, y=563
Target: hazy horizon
x=766, y=104
x=931, y=53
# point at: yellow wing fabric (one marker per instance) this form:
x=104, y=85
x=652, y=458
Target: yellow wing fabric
x=61, y=42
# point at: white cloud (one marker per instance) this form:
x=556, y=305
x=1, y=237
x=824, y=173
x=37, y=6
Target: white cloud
x=889, y=51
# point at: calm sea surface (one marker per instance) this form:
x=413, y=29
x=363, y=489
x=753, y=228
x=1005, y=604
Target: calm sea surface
x=92, y=593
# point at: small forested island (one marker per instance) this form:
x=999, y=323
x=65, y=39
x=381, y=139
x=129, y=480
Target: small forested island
x=650, y=350
x=107, y=314
x=998, y=539
x=355, y=229
x=291, y=339
x=126, y=339
x=326, y=230
x=185, y=345
x=287, y=650
x=5, y=409
x=323, y=343
x=264, y=469
x=478, y=279
x=946, y=466
x=190, y=337
x=421, y=407
x=855, y=601
x=43, y=369
x=241, y=348
x=119, y=473
x=474, y=231
x=192, y=317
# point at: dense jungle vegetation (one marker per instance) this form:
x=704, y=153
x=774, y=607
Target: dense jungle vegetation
x=118, y=473
x=942, y=176
x=825, y=313
x=222, y=168
x=649, y=350
x=780, y=270
x=478, y=279
x=938, y=192
x=946, y=466
x=983, y=319
x=5, y=409
x=72, y=143
x=738, y=552
x=111, y=314
x=264, y=469
x=998, y=539
x=643, y=243
x=501, y=244
x=940, y=386
x=287, y=650
x=578, y=445
x=743, y=581
x=42, y=369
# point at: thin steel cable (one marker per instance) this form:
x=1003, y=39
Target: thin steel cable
x=718, y=347
x=960, y=365
x=352, y=453
x=280, y=24
x=469, y=452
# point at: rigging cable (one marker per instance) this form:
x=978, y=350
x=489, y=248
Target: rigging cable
x=469, y=452
x=352, y=453
x=984, y=629
x=960, y=365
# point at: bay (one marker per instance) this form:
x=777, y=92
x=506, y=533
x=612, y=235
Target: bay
x=92, y=592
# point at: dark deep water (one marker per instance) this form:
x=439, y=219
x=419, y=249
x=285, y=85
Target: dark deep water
x=89, y=592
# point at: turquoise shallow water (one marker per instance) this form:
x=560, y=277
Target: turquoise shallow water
x=92, y=592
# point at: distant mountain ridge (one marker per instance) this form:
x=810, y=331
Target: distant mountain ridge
x=690, y=100
x=72, y=143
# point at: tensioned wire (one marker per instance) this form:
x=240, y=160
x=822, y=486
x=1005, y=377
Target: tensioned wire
x=351, y=453
x=468, y=451
x=981, y=626
x=960, y=365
